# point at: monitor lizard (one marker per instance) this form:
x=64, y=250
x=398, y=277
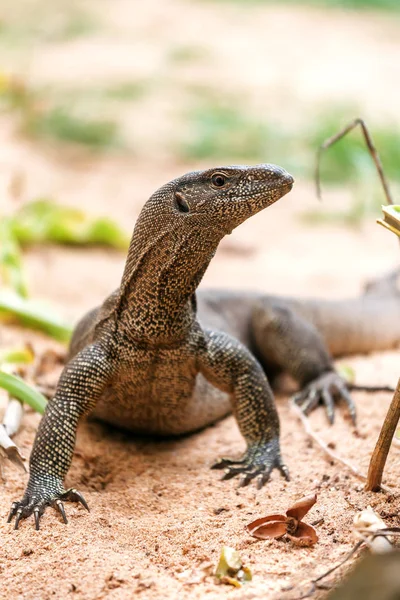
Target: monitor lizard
x=155, y=358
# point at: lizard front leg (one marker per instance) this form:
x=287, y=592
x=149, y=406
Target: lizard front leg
x=80, y=385
x=287, y=341
x=228, y=365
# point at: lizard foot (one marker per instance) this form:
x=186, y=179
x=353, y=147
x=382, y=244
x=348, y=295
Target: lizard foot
x=326, y=389
x=35, y=502
x=258, y=462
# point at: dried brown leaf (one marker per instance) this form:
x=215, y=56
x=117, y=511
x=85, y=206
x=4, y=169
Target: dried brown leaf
x=305, y=535
x=301, y=507
x=276, y=526
x=273, y=526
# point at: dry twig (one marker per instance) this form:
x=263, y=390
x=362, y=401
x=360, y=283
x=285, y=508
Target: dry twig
x=331, y=455
x=382, y=447
x=315, y=583
x=372, y=150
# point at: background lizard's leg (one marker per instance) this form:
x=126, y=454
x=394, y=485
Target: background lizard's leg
x=80, y=385
x=285, y=340
x=228, y=365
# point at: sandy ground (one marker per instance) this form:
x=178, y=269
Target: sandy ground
x=159, y=516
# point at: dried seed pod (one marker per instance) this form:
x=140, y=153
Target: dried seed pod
x=305, y=535
x=273, y=526
x=301, y=507
x=276, y=526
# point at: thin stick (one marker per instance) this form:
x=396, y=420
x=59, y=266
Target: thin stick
x=332, y=455
x=381, y=532
x=382, y=447
x=370, y=388
x=368, y=534
x=372, y=150
x=315, y=582
x=342, y=562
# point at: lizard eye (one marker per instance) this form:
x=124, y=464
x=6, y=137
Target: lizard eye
x=218, y=179
x=181, y=203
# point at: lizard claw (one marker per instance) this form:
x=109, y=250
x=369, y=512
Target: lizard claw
x=13, y=510
x=257, y=463
x=36, y=513
x=18, y=518
x=72, y=495
x=60, y=507
x=37, y=499
x=326, y=389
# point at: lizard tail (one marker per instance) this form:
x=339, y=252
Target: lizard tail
x=360, y=325
x=385, y=286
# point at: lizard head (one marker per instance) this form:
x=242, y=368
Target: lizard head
x=224, y=197
x=215, y=201
x=177, y=233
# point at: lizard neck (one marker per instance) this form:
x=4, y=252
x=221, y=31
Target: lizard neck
x=161, y=275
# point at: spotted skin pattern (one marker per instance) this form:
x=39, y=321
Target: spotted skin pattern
x=155, y=358
x=143, y=361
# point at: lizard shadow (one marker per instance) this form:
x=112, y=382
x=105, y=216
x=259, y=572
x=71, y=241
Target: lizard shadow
x=106, y=454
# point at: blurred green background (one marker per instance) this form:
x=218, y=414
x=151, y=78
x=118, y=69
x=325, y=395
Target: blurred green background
x=186, y=83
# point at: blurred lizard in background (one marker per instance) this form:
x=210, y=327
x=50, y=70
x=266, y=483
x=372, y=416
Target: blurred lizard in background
x=155, y=359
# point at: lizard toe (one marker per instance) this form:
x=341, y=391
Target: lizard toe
x=345, y=395
x=25, y=508
x=13, y=511
x=39, y=498
x=263, y=478
x=231, y=472
x=224, y=462
x=329, y=404
x=326, y=390
x=249, y=475
x=284, y=471
x=311, y=401
x=58, y=505
x=258, y=462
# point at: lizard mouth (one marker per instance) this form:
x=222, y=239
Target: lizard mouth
x=287, y=182
x=284, y=185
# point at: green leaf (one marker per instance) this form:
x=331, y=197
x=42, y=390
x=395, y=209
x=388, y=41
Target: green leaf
x=11, y=268
x=17, y=355
x=33, y=314
x=17, y=388
x=44, y=221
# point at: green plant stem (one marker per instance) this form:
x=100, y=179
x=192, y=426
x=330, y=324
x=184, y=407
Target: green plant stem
x=16, y=387
x=32, y=315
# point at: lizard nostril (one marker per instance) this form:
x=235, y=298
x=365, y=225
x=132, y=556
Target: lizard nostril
x=181, y=203
x=284, y=176
x=281, y=176
x=276, y=173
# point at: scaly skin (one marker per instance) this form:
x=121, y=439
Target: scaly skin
x=300, y=337
x=143, y=360
x=153, y=359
